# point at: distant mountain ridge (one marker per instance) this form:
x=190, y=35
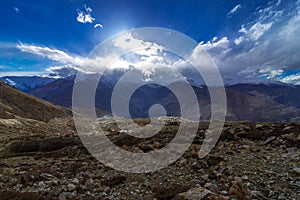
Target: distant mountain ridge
x=26, y=83
x=246, y=101
x=253, y=100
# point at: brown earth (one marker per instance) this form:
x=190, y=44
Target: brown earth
x=14, y=103
x=46, y=160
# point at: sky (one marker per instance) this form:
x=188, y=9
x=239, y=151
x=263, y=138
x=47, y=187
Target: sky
x=246, y=39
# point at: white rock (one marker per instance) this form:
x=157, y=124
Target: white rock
x=71, y=187
x=75, y=180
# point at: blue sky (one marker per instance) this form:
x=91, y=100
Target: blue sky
x=245, y=38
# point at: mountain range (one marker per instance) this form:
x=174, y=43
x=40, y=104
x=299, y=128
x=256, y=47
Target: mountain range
x=252, y=100
x=26, y=83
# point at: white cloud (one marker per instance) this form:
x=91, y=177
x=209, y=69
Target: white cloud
x=98, y=25
x=63, y=70
x=292, y=79
x=127, y=42
x=20, y=73
x=292, y=28
x=278, y=2
x=69, y=63
x=222, y=43
x=139, y=55
x=2, y=67
x=239, y=40
x=270, y=13
x=271, y=39
x=270, y=73
x=234, y=10
x=243, y=29
x=84, y=16
x=258, y=29
x=217, y=49
x=146, y=56
x=52, y=54
x=267, y=17
x=17, y=10
x=87, y=9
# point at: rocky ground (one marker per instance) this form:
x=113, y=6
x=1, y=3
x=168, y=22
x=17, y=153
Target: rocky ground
x=46, y=160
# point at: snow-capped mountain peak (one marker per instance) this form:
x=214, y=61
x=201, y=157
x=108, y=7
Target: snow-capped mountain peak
x=26, y=83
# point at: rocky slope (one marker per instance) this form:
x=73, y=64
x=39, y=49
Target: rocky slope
x=250, y=161
x=14, y=103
